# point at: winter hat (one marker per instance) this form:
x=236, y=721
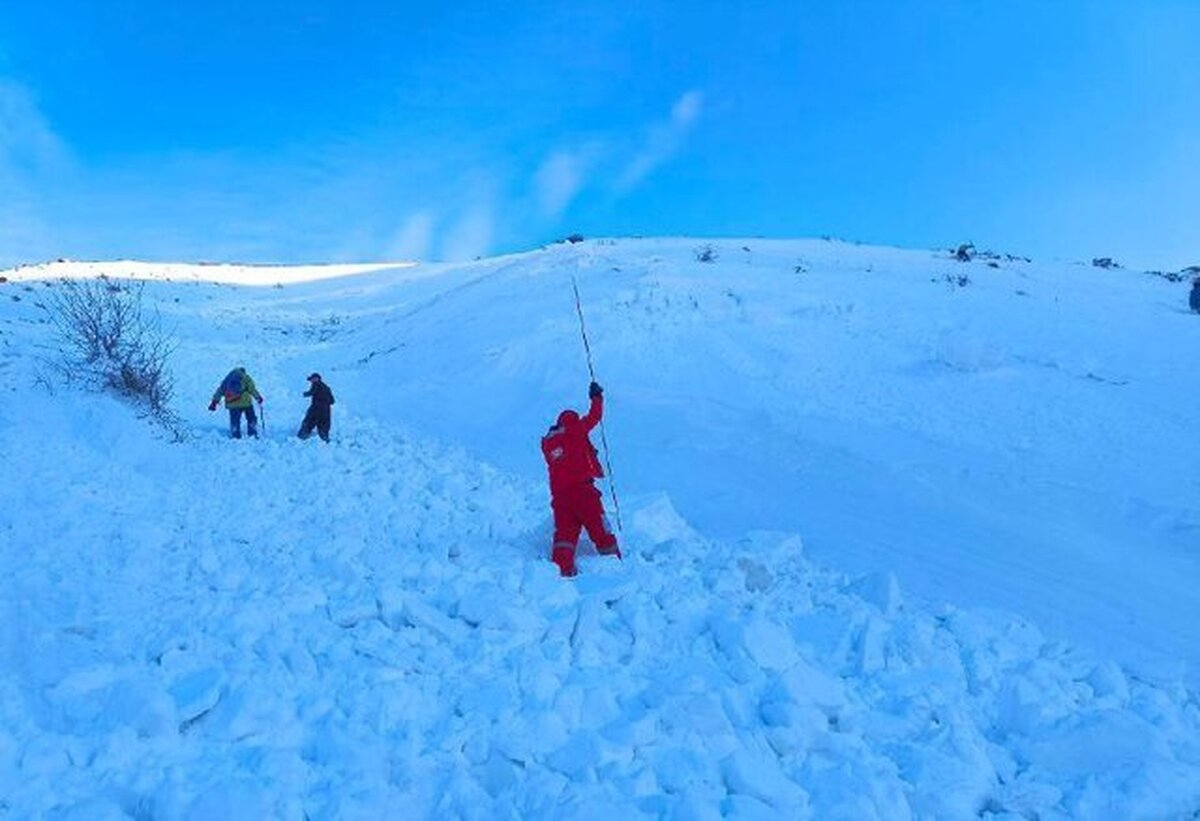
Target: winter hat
x=315, y=376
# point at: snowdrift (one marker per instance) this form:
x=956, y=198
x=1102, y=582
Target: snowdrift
x=988, y=614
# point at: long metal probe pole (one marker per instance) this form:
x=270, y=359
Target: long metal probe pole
x=612, y=483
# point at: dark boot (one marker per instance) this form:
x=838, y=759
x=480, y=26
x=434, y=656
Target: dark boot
x=609, y=550
x=564, y=557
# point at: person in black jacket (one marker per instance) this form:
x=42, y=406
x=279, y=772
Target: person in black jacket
x=1194, y=297
x=319, y=409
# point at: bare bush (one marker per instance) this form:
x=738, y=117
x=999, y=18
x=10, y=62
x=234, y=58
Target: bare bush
x=105, y=338
x=705, y=253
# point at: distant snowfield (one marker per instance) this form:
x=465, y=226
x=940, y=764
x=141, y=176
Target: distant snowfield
x=905, y=537
x=185, y=272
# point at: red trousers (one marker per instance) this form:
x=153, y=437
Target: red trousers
x=575, y=509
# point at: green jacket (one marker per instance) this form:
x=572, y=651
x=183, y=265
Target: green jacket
x=249, y=393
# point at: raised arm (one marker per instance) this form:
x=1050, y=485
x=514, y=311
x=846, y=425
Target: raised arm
x=595, y=412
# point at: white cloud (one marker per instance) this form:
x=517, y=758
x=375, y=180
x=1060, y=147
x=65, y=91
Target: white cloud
x=27, y=142
x=32, y=159
x=687, y=109
x=414, y=240
x=663, y=141
x=559, y=180
x=471, y=236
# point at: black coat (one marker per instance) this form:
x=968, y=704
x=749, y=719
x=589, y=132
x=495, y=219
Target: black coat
x=322, y=396
x=1194, y=299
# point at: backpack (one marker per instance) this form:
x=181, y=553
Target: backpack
x=233, y=386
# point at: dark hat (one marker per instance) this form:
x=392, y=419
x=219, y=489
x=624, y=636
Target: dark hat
x=313, y=376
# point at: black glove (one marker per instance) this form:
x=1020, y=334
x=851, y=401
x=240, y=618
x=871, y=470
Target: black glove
x=595, y=390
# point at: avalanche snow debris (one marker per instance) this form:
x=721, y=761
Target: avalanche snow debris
x=268, y=629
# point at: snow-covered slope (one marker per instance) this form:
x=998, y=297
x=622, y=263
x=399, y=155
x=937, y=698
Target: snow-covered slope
x=279, y=628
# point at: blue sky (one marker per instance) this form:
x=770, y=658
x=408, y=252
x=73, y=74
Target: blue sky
x=297, y=130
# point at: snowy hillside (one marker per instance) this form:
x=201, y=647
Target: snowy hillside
x=904, y=537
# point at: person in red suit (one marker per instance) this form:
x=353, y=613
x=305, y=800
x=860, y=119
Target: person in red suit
x=574, y=498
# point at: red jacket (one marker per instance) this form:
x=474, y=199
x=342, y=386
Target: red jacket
x=570, y=457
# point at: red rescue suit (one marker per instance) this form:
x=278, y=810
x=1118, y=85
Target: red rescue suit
x=572, y=463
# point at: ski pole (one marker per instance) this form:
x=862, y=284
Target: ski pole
x=587, y=348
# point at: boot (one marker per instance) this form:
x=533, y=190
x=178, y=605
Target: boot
x=611, y=550
x=564, y=557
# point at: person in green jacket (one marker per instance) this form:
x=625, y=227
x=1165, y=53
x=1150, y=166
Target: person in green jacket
x=239, y=393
